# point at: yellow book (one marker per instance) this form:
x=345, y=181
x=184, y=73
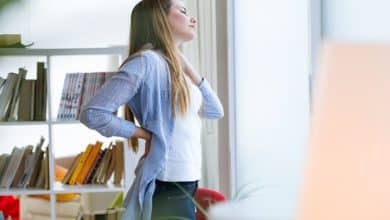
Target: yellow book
x=68, y=174
x=89, y=162
x=79, y=166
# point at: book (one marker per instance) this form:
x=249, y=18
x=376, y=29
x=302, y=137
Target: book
x=65, y=86
x=101, y=166
x=69, y=95
x=36, y=166
x=47, y=174
x=68, y=174
x=27, y=151
x=14, y=161
x=40, y=180
x=26, y=100
x=94, y=168
x=3, y=164
x=78, y=88
x=87, y=90
x=111, y=165
x=119, y=162
x=2, y=81
x=43, y=177
x=104, y=166
x=89, y=162
x=77, y=95
x=80, y=164
x=39, y=92
x=15, y=98
x=31, y=161
x=6, y=95
x=44, y=96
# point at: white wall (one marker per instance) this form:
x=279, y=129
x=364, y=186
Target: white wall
x=73, y=23
x=272, y=63
x=356, y=20
x=221, y=20
x=96, y=23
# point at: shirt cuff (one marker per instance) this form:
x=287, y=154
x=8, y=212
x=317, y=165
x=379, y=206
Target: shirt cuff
x=204, y=87
x=127, y=129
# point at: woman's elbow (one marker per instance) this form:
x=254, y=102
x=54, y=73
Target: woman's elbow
x=97, y=120
x=86, y=117
x=89, y=117
x=215, y=115
x=220, y=113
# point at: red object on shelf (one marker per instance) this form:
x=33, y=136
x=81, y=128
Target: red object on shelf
x=205, y=198
x=9, y=205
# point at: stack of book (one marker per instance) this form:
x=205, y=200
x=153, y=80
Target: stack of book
x=24, y=99
x=25, y=167
x=96, y=165
x=110, y=214
x=77, y=90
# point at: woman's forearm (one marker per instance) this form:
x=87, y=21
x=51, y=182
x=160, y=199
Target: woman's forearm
x=142, y=133
x=194, y=76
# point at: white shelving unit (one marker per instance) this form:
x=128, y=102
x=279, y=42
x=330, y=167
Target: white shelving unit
x=51, y=123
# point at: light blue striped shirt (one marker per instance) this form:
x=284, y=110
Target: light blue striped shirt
x=143, y=83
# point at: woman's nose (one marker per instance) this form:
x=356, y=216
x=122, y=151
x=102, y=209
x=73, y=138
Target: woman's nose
x=193, y=20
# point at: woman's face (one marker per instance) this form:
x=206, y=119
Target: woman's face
x=182, y=25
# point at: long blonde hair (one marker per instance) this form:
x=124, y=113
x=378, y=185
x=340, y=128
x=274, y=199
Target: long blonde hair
x=149, y=25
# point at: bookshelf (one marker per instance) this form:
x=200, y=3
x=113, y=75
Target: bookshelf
x=54, y=127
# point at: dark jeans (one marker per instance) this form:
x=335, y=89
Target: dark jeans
x=171, y=203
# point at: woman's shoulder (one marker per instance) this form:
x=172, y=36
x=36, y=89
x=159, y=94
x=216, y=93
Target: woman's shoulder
x=143, y=58
x=149, y=56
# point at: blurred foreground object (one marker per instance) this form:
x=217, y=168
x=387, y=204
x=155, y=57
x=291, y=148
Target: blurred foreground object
x=347, y=171
x=12, y=41
x=4, y=3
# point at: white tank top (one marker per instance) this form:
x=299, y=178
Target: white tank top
x=184, y=157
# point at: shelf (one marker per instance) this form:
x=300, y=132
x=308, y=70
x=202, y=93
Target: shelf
x=87, y=188
x=65, y=122
x=59, y=132
x=63, y=52
x=27, y=191
x=22, y=123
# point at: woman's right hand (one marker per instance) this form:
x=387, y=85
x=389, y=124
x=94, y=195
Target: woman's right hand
x=142, y=133
x=148, y=145
x=147, y=136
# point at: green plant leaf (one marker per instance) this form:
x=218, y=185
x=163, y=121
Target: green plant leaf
x=200, y=208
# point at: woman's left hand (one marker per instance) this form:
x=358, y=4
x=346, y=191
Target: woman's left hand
x=148, y=145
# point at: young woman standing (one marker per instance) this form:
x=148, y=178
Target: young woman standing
x=168, y=98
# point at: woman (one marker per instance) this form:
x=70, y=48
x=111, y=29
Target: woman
x=168, y=97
